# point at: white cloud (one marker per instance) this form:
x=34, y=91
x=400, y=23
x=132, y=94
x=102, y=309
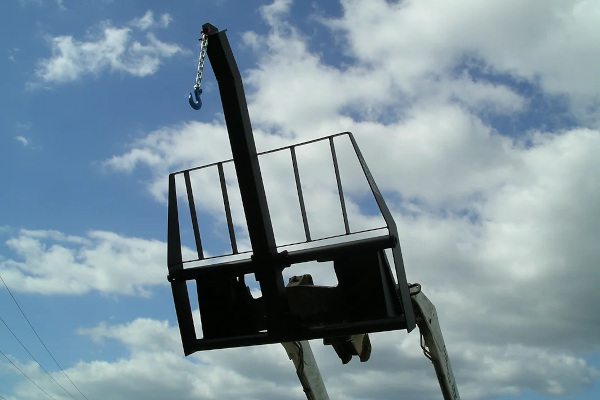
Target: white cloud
x=22, y=140
x=173, y=143
x=154, y=368
x=147, y=21
x=531, y=238
x=274, y=12
x=113, y=49
x=140, y=334
x=553, y=43
x=50, y=262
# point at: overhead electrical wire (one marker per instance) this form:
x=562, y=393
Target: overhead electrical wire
x=35, y=359
x=25, y=375
x=43, y=344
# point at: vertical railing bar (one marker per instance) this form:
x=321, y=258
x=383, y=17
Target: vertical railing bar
x=232, y=240
x=300, y=196
x=174, y=256
x=190, y=196
x=339, y=185
x=181, y=296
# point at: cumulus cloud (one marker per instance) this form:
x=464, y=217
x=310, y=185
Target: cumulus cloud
x=23, y=140
x=147, y=21
x=50, y=262
x=173, y=143
x=552, y=43
x=112, y=49
x=154, y=367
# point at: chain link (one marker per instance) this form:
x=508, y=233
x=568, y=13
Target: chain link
x=203, y=49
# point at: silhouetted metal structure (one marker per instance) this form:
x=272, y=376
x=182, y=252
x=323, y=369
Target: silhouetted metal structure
x=367, y=298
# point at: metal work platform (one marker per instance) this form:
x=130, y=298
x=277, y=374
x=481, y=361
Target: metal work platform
x=367, y=296
x=365, y=300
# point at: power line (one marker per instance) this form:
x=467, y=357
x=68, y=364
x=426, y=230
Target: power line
x=34, y=359
x=40, y=339
x=25, y=375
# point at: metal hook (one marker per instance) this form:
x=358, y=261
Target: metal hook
x=195, y=101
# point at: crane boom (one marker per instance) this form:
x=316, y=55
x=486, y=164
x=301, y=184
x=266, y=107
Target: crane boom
x=307, y=369
x=434, y=346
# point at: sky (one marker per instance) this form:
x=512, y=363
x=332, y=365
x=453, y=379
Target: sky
x=479, y=119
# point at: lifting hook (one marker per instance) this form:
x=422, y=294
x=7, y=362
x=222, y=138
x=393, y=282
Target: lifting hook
x=194, y=99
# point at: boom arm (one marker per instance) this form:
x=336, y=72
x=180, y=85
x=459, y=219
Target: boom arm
x=434, y=347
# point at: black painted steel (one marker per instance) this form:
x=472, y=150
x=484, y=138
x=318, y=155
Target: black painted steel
x=300, y=195
x=313, y=332
x=321, y=253
x=228, y=217
x=245, y=158
x=339, y=185
x=181, y=297
x=193, y=215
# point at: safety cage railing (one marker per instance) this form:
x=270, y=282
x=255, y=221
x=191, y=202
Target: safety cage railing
x=366, y=244
x=236, y=227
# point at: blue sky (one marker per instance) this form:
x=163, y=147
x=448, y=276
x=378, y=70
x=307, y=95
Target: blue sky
x=480, y=121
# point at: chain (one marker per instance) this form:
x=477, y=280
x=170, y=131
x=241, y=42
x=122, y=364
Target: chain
x=203, y=48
